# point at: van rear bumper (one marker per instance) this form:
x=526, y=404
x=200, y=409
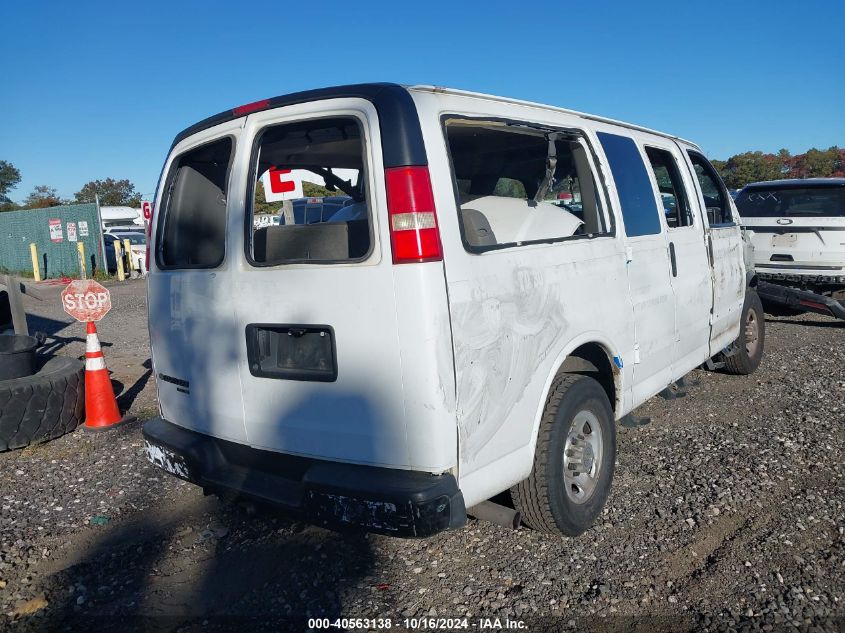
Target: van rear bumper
x=383, y=500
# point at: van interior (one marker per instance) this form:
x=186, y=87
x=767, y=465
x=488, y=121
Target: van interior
x=324, y=147
x=517, y=184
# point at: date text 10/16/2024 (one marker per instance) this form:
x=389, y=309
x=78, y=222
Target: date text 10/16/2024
x=446, y=624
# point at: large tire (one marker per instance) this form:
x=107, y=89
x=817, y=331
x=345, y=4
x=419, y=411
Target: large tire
x=752, y=337
x=547, y=501
x=43, y=406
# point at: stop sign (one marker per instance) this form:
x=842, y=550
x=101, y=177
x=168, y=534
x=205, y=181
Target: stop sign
x=86, y=300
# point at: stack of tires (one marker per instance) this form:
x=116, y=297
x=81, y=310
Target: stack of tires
x=40, y=399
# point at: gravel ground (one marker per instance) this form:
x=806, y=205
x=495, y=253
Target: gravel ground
x=727, y=513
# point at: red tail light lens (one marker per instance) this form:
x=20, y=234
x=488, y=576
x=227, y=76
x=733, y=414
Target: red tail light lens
x=255, y=106
x=414, y=235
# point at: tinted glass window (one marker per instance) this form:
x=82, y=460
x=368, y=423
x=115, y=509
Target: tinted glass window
x=194, y=218
x=636, y=196
x=780, y=202
x=715, y=194
x=518, y=185
x=310, y=202
x=673, y=195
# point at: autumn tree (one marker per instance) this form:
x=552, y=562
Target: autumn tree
x=816, y=163
x=42, y=197
x=111, y=193
x=741, y=169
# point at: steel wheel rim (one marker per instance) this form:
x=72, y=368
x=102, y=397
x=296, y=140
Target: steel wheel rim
x=752, y=333
x=582, y=457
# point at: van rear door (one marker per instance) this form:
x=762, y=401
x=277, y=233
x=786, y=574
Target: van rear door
x=193, y=332
x=323, y=315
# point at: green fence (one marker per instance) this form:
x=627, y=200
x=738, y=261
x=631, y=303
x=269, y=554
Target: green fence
x=55, y=232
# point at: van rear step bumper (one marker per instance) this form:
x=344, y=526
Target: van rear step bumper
x=800, y=299
x=383, y=500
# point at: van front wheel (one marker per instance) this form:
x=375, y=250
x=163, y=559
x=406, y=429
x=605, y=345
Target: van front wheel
x=752, y=336
x=573, y=461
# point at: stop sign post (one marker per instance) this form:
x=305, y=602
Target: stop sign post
x=86, y=300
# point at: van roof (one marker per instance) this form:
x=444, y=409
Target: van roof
x=534, y=104
x=393, y=102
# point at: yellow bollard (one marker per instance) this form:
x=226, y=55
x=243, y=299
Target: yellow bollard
x=119, y=258
x=36, y=269
x=128, y=246
x=83, y=269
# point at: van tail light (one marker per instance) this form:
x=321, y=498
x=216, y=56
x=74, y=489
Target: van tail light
x=414, y=235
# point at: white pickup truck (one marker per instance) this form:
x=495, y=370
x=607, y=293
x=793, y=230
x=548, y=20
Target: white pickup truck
x=509, y=280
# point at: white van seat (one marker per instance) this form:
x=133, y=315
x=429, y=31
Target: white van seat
x=477, y=230
x=304, y=241
x=512, y=220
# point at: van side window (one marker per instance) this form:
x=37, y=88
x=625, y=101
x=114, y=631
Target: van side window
x=517, y=184
x=639, y=211
x=673, y=195
x=713, y=189
x=309, y=199
x=194, y=202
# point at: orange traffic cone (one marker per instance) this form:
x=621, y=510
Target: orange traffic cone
x=101, y=410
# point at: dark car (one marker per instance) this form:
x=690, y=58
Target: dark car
x=111, y=260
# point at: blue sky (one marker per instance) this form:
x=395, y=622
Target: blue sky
x=93, y=90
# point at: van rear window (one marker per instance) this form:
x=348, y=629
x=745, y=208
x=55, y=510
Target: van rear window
x=194, y=218
x=309, y=202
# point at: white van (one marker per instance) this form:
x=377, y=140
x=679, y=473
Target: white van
x=798, y=232
x=461, y=329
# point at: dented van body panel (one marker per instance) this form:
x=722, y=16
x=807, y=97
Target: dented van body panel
x=430, y=374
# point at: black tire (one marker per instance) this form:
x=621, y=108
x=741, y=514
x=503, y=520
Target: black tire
x=43, y=406
x=542, y=499
x=748, y=356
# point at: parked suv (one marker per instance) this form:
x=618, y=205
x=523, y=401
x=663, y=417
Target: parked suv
x=452, y=333
x=798, y=232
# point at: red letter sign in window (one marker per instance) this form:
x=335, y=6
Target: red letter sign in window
x=281, y=184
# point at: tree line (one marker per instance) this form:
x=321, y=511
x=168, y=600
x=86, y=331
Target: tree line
x=111, y=192
x=741, y=169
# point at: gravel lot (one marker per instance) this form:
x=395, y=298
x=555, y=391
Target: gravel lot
x=727, y=513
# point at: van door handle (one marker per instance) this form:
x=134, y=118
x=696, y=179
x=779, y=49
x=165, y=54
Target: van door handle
x=672, y=259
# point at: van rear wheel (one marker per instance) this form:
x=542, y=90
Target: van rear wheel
x=752, y=337
x=573, y=461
